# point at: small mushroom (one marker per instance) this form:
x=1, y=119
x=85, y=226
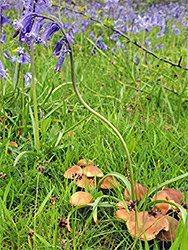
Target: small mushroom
x=86, y=183
x=139, y=190
x=80, y=198
x=177, y=193
x=92, y=171
x=143, y=226
x=123, y=214
x=164, y=195
x=13, y=144
x=69, y=173
x=108, y=183
x=171, y=233
x=84, y=162
x=122, y=204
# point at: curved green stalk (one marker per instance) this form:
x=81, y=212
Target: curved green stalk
x=108, y=123
x=33, y=91
x=56, y=20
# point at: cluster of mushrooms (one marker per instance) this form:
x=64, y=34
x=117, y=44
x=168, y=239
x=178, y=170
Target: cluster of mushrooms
x=159, y=222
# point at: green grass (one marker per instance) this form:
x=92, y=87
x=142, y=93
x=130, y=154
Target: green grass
x=151, y=119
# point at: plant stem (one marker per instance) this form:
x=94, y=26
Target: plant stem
x=33, y=91
x=1, y=50
x=55, y=20
x=132, y=195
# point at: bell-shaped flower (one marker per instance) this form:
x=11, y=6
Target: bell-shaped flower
x=61, y=58
x=58, y=47
x=3, y=38
x=2, y=71
x=7, y=56
x=28, y=79
x=48, y=32
x=24, y=58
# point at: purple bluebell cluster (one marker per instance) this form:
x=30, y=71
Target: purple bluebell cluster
x=129, y=17
x=134, y=17
x=31, y=28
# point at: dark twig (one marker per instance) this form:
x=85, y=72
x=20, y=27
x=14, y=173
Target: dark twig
x=136, y=43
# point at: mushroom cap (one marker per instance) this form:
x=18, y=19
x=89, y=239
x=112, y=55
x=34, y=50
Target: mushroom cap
x=84, y=162
x=177, y=193
x=92, y=171
x=73, y=170
x=123, y=214
x=86, y=182
x=149, y=229
x=171, y=233
x=122, y=204
x=164, y=195
x=108, y=183
x=80, y=198
x=13, y=144
x=139, y=190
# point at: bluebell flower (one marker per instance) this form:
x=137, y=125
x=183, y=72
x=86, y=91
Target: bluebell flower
x=5, y=20
x=35, y=6
x=48, y=32
x=7, y=56
x=147, y=43
x=47, y=3
x=2, y=71
x=34, y=32
x=3, y=38
x=58, y=47
x=28, y=79
x=137, y=60
x=24, y=58
x=92, y=35
x=60, y=62
x=158, y=46
x=22, y=24
x=61, y=58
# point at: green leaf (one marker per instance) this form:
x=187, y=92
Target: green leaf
x=44, y=202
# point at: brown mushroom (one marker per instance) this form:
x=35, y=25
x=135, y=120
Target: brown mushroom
x=177, y=193
x=86, y=183
x=84, y=162
x=92, y=171
x=69, y=173
x=13, y=144
x=80, y=198
x=122, y=204
x=139, y=190
x=171, y=233
x=123, y=214
x=164, y=195
x=144, y=226
x=108, y=183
